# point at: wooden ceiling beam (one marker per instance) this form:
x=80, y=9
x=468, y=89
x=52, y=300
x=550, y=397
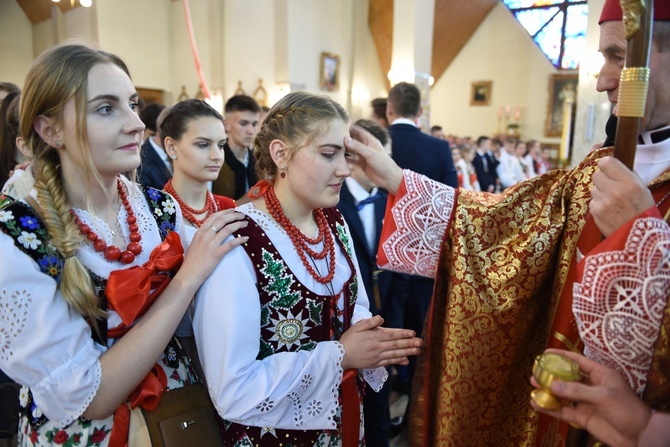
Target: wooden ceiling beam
x=40, y=10
x=455, y=23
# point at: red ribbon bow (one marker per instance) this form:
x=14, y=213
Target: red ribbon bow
x=147, y=395
x=129, y=291
x=129, y=295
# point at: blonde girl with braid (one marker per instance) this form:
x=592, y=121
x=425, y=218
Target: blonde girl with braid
x=282, y=325
x=79, y=327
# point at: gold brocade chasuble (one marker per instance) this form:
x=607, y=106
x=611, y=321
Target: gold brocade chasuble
x=502, y=272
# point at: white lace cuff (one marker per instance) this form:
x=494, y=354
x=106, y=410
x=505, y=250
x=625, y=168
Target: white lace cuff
x=375, y=377
x=66, y=393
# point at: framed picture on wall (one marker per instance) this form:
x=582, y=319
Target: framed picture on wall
x=562, y=88
x=480, y=93
x=330, y=72
x=151, y=95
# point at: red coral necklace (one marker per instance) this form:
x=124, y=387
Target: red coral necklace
x=114, y=253
x=190, y=213
x=300, y=241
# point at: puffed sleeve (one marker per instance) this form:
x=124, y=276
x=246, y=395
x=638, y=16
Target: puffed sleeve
x=288, y=390
x=43, y=343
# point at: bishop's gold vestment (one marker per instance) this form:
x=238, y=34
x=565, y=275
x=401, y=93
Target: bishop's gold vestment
x=501, y=264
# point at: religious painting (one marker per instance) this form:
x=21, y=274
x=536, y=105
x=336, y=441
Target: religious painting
x=330, y=72
x=480, y=93
x=151, y=95
x=562, y=89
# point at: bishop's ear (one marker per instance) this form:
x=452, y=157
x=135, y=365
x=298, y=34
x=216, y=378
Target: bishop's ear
x=47, y=129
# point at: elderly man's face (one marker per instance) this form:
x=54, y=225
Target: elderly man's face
x=613, y=47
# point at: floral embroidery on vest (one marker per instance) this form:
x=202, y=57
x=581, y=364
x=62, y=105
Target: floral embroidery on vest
x=292, y=318
x=22, y=223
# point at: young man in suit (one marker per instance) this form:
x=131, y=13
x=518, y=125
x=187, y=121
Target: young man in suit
x=484, y=165
x=155, y=170
x=412, y=149
x=362, y=205
x=238, y=174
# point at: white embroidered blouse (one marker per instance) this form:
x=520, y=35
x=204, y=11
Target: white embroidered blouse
x=44, y=344
x=227, y=330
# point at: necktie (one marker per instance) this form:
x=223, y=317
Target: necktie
x=370, y=199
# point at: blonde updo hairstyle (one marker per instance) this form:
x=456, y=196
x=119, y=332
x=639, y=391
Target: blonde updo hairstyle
x=297, y=119
x=57, y=75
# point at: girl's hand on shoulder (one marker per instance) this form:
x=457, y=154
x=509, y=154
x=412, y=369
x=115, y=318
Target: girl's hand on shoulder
x=368, y=345
x=208, y=248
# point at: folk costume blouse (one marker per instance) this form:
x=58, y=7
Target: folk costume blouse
x=519, y=272
x=259, y=324
x=48, y=347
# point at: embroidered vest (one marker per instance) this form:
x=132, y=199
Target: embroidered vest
x=293, y=318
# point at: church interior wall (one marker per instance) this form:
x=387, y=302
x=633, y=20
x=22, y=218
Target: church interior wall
x=280, y=41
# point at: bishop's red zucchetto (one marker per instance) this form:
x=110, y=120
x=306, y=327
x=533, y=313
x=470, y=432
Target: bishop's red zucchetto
x=612, y=11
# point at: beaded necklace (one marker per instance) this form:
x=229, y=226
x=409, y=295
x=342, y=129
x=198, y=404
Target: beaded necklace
x=300, y=241
x=113, y=253
x=190, y=213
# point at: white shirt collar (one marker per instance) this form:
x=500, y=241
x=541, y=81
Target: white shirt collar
x=160, y=151
x=652, y=160
x=357, y=191
x=404, y=121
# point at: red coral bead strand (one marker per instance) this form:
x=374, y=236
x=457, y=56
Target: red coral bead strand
x=300, y=240
x=113, y=253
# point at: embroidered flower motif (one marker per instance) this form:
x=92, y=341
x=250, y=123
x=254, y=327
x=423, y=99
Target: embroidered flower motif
x=289, y=329
x=306, y=381
x=29, y=222
x=171, y=354
x=158, y=212
x=60, y=437
x=168, y=206
x=23, y=396
x=6, y=215
x=314, y=408
x=166, y=227
x=13, y=316
x=51, y=265
x=98, y=436
x=29, y=240
x=36, y=412
x=266, y=405
x=154, y=194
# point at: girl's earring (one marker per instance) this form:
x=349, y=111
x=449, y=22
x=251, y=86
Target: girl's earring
x=173, y=156
x=282, y=174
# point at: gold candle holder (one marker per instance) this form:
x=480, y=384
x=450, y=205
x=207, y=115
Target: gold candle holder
x=547, y=368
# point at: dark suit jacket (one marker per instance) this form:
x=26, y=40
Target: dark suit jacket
x=427, y=155
x=485, y=173
x=367, y=256
x=152, y=171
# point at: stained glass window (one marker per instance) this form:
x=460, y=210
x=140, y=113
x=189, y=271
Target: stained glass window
x=558, y=27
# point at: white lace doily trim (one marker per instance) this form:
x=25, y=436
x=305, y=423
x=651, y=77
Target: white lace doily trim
x=619, y=304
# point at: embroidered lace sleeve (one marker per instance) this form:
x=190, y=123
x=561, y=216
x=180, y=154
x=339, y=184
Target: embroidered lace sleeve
x=416, y=221
x=288, y=390
x=621, y=293
x=43, y=344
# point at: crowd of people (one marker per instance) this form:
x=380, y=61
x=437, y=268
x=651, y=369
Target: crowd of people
x=302, y=267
